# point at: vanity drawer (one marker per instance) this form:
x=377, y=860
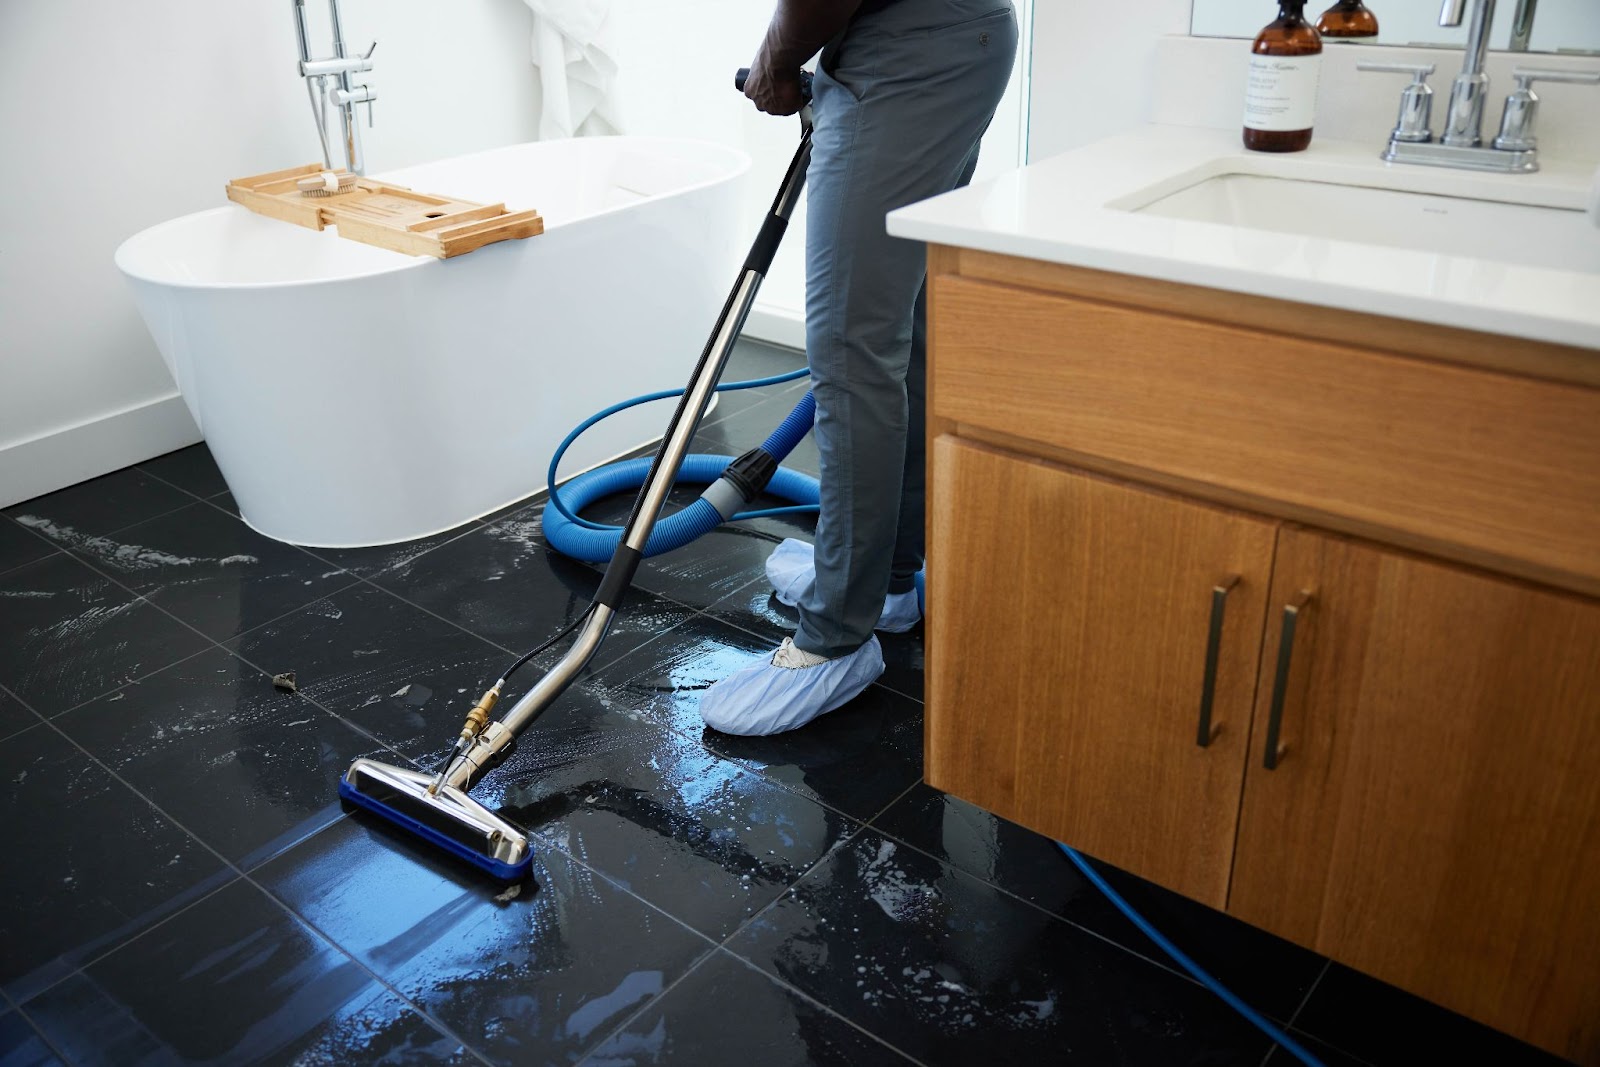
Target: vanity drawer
x=1490, y=468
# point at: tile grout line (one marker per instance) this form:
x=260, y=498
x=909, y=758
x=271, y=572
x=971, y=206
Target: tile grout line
x=1326, y=967
x=239, y=875
x=55, y=1049
x=29, y=708
x=715, y=945
x=36, y=535
x=797, y=991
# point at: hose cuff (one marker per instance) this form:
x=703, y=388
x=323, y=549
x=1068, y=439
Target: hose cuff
x=751, y=472
x=725, y=497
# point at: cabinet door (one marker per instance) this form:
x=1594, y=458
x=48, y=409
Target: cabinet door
x=1069, y=632
x=1434, y=816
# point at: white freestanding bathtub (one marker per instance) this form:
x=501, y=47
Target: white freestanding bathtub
x=356, y=396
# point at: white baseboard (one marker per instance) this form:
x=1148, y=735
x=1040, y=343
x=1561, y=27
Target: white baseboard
x=776, y=325
x=98, y=446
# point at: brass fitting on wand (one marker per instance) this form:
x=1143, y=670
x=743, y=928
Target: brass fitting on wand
x=477, y=718
x=479, y=715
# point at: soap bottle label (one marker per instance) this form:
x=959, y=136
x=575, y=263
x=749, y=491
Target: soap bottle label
x=1282, y=92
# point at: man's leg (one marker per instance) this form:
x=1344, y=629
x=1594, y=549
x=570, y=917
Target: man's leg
x=900, y=110
x=902, y=100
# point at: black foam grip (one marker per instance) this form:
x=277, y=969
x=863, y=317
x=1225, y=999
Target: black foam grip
x=742, y=75
x=619, y=576
x=766, y=245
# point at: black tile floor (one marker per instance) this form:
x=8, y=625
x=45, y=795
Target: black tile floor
x=180, y=884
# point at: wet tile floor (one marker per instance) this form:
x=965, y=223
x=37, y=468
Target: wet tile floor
x=180, y=884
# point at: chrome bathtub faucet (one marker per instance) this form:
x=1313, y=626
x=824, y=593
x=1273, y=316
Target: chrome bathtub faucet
x=329, y=85
x=1461, y=145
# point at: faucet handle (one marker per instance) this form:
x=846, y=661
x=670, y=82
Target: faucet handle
x=1522, y=106
x=1416, y=100
x=1528, y=75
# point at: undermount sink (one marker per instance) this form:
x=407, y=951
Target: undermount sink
x=1537, y=236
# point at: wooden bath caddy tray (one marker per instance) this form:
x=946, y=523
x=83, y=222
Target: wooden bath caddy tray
x=389, y=216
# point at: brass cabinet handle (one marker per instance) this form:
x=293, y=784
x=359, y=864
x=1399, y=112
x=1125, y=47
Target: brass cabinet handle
x=1219, y=601
x=1280, y=684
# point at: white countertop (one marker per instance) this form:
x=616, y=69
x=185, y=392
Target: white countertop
x=1059, y=210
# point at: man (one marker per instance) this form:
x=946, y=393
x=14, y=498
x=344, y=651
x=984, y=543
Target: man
x=903, y=92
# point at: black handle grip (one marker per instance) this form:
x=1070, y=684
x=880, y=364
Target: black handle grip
x=743, y=75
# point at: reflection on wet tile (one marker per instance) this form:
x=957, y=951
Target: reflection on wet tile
x=68, y=634
x=246, y=767
x=395, y=671
x=88, y=863
x=207, y=568
x=102, y=505
x=756, y=609
x=191, y=469
x=1270, y=974
x=505, y=585
x=14, y=715
x=21, y=1045
x=856, y=759
x=699, y=837
x=234, y=979
x=1376, y=1023
x=772, y=1026
x=538, y=972
x=949, y=970
x=19, y=545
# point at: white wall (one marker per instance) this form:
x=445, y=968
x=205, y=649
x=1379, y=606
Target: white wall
x=1093, y=66
x=116, y=115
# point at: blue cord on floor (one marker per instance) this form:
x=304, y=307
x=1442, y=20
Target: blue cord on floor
x=1186, y=963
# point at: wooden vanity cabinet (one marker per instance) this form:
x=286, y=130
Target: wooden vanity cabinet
x=1292, y=612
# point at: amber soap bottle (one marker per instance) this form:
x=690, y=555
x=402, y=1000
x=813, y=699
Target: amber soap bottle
x=1348, y=18
x=1281, y=92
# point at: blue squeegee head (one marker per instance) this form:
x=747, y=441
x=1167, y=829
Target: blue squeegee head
x=499, y=869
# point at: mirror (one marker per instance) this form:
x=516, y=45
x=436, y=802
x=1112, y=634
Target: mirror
x=1570, y=27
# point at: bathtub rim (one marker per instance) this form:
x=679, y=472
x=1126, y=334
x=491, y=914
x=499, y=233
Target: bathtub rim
x=741, y=159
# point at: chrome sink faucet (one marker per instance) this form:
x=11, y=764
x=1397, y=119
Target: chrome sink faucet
x=1463, y=124
x=329, y=85
x=1461, y=144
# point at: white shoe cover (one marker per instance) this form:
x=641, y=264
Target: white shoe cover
x=792, y=567
x=767, y=698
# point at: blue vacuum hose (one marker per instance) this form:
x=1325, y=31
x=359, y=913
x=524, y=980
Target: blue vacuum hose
x=730, y=482
x=1197, y=972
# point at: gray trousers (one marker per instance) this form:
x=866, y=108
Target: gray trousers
x=901, y=100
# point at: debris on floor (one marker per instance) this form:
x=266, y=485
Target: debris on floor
x=285, y=681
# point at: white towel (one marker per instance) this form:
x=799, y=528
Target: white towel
x=577, y=69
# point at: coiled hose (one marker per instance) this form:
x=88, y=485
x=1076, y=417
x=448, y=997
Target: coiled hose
x=731, y=483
